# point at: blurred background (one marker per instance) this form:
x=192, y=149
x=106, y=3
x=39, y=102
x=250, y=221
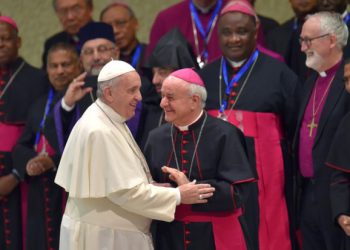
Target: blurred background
x=37, y=20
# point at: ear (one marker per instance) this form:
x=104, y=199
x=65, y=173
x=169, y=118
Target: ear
x=19, y=42
x=107, y=94
x=196, y=101
x=333, y=40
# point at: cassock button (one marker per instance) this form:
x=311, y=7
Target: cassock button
x=184, y=142
x=233, y=93
x=184, y=171
x=232, y=102
x=187, y=242
x=8, y=242
x=187, y=232
x=184, y=161
x=235, y=84
x=184, y=151
x=7, y=221
x=185, y=132
x=7, y=231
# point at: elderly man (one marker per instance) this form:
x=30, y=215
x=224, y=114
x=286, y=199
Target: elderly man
x=20, y=85
x=323, y=104
x=338, y=159
x=205, y=149
x=37, y=154
x=258, y=94
x=125, y=25
x=73, y=15
x=198, y=23
x=111, y=196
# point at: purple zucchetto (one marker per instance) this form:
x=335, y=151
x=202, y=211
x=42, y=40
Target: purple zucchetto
x=188, y=75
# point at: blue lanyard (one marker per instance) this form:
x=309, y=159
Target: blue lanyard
x=205, y=33
x=136, y=56
x=237, y=77
x=46, y=112
x=295, y=24
x=346, y=18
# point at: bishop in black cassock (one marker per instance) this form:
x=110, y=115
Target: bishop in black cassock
x=257, y=94
x=20, y=85
x=207, y=150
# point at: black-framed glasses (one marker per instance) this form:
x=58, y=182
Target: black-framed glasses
x=308, y=41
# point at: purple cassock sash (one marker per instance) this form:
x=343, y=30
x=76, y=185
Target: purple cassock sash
x=265, y=129
x=9, y=134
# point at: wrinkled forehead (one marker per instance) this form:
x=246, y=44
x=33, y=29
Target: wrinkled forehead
x=94, y=43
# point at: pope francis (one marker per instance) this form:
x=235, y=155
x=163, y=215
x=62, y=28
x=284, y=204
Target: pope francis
x=112, y=197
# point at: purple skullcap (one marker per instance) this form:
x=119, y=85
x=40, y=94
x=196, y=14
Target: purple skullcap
x=10, y=21
x=188, y=75
x=242, y=6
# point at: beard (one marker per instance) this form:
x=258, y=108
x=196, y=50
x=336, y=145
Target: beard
x=314, y=60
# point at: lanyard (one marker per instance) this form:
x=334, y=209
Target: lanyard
x=237, y=77
x=42, y=123
x=136, y=56
x=346, y=18
x=205, y=33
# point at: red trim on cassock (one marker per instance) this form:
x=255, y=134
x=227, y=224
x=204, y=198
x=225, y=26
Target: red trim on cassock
x=266, y=130
x=227, y=230
x=337, y=167
x=9, y=135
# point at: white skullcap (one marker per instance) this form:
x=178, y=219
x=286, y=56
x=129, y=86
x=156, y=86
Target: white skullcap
x=113, y=69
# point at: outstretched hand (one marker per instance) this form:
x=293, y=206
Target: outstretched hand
x=192, y=193
x=175, y=175
x=76, y=90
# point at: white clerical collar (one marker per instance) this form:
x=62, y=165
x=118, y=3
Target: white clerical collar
x=236, y=64
x=322, y=74
x=113, y=115
x=185, y=128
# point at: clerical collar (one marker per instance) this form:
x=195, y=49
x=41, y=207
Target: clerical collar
x=236, y=64
x=204, y=10
x=113, y=115
x=186, y=127
x=330, y=71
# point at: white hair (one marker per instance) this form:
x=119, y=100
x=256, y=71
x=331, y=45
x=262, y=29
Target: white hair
x=195, y=89
x=104, y=84
x=332, y=23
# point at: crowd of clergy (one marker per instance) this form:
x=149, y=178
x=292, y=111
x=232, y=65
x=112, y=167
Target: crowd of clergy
x=250, y=113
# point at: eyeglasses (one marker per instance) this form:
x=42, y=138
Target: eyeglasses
x=102, y=49
x=120, y=23
x=308, y=41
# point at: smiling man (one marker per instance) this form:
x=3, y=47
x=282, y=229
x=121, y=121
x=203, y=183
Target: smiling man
x=256, y=93
x=112, y=198
x=324, y=102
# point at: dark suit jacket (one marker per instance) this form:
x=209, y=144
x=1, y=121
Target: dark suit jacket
x=336, y=106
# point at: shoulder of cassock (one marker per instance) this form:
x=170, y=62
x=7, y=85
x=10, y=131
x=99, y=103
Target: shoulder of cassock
x=97, y=159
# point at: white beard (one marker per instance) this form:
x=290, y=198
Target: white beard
x=314, y=60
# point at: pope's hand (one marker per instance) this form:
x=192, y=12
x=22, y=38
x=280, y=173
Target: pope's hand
x=192, y=193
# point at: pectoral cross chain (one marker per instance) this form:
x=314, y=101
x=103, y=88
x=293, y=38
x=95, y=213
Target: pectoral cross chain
x=311, y=126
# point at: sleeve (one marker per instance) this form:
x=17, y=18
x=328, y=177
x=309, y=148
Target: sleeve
x=24, y=150
x=233, y=170
x=154, y=202
x=340, y=194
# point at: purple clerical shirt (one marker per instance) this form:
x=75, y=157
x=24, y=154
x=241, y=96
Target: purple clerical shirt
x=306, y=141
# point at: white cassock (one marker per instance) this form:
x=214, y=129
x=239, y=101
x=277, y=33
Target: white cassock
x=111, y=202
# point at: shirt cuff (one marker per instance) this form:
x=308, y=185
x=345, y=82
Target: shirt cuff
x=178, y=197
x=66, y=107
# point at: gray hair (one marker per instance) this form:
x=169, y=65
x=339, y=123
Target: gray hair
x=104, y=84
x=332, y=23
x=88, y=3
x=195, y=89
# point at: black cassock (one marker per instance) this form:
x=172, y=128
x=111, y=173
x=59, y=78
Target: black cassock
x=28, y=85
x=46, y=199
x=267, y=104
x=220, y=160
x=339, y=159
